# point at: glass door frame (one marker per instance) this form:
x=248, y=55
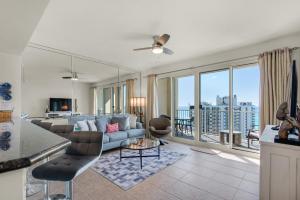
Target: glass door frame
x=230, y=105
x=230, y=65
x=173, y=102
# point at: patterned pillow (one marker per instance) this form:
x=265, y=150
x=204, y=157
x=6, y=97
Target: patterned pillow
x=112, y=127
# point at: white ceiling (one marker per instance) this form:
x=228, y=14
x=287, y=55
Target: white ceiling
x=18, y=19
x=109, y=30
x=49, y=66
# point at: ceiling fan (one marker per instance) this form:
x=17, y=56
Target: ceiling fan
x=73, y=76
x=158, y=45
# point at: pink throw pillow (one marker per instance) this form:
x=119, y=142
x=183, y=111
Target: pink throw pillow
x=112, y=127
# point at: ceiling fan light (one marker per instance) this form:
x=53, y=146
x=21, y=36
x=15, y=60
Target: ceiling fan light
x=157, y=50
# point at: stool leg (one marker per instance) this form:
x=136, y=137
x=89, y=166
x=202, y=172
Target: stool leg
x=46, y=184
x=69, y=190
x=46, y=190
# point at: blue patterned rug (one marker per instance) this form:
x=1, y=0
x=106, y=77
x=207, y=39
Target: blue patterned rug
x=127, y=173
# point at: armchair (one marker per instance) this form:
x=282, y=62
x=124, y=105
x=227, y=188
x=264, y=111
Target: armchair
x=160, y=128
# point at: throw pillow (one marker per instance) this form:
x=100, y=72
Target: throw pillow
x=83, y=126
x=132, y=121
x=112, y=127
x=101, y=123
x=92, y=125
x=123, y=122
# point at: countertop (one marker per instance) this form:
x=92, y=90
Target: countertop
x=268, y=135
x=27, y=144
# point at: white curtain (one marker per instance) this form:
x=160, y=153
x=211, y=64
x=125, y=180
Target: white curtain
x=275, y=83
x=130, y=88
x=152, y=99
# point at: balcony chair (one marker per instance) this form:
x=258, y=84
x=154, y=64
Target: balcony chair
x=85, y=149
x=160, y=128
x=252, y=135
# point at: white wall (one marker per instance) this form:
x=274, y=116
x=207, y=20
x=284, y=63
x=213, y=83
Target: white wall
x=10, y=71
x=37, y=91
x=41, y=80
x=252, y=50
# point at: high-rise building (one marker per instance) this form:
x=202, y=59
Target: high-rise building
x=216, y=117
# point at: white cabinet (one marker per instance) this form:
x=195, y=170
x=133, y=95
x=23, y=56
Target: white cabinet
x=279, y=169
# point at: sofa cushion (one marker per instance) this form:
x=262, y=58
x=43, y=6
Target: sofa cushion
x=92, y=125
x=135, y=133
x=123, y=122
x=105, y=138
x=101, y=123
x=132, y=121
x=116, y=136
x=139, y=125
x=83, y=125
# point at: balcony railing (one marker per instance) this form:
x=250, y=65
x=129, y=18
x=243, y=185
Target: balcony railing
x=212, y=121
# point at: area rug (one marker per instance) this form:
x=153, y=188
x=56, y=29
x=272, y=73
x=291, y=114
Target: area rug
x=127, y=173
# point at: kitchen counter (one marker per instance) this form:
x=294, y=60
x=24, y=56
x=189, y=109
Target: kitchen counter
x=26, y=145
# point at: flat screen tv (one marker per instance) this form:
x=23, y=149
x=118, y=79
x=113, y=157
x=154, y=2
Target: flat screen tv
x=60, y=104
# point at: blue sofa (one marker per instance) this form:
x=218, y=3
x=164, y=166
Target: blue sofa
x=110, y=140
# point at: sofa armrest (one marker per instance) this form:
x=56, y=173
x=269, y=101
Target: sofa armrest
x=139, y=125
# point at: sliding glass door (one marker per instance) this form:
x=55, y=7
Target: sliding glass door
x=214, y=107
x=245, y=89
x=184, y=107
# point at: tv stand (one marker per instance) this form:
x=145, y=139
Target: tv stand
x=60, y=114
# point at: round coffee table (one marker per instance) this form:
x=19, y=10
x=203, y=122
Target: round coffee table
x=140, y=145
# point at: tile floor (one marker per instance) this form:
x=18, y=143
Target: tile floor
x=198, y=176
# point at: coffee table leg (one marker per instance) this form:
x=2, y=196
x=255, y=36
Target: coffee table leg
x=158, y=151
x=141, y=158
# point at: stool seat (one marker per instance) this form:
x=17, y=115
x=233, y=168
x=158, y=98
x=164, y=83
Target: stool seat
x=63, y=168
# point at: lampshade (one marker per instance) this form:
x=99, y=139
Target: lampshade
x=138, y=101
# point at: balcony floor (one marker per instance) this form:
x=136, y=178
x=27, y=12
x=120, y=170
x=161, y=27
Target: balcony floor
x=215, y=138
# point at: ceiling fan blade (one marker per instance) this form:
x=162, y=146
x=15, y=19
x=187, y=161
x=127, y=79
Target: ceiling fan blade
x=163, y=39
x=145, y=48
x=66, y=77
x=168, y=51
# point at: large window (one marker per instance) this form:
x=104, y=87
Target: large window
x=228, y=100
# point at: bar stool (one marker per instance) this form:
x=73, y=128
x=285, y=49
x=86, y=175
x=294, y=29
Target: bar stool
x=85, y=149
x=62, y=130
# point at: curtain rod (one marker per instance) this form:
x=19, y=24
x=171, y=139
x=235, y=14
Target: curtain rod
x=216, y=63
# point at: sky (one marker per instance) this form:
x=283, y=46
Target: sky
x=245, y=86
